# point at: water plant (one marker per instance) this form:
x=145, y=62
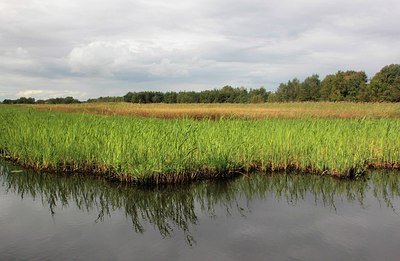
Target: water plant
x=153, y=150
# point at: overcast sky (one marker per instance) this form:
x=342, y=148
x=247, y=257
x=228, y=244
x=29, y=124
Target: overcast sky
x=92, y=48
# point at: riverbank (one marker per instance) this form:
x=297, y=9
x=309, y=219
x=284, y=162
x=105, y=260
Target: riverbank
x=153, y=150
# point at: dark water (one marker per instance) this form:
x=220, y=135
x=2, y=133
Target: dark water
x=280, y=217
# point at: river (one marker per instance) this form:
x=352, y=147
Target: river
x=256, y=217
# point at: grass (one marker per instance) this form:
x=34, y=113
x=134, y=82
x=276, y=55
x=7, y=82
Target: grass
x=343, y=110
x=153, y=150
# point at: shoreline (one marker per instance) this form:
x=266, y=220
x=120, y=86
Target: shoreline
x=188, y=178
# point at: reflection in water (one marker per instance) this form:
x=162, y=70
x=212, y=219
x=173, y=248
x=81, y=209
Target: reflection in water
x=173, y=207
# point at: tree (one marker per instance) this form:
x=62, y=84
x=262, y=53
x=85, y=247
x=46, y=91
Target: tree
x=353, y=82
x=272, y=97
x=128, y=97
x=8, y=101
x=343, y=86
x=327, y=87
x=282, y=93
x=365, y=94
x=157, y=97
x=296, y=90
x=170, y=97
x=311, y=88
x=188, y=97
x=105, y=99
x=385, y=85
x=259, y=95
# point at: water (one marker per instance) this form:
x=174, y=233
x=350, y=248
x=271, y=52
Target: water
x=278, y=217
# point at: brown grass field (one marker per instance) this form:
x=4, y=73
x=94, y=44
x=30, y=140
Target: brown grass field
x=213, y=111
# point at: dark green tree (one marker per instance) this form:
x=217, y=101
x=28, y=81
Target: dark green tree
x=343, y=86
x=188, y=97
x=259, y=95
x=281, y=93
x=170, y=97
x=385, y=85
x=328, y=87
x=311, y=88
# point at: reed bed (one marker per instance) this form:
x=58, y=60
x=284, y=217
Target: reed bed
x=345, y=110
x=152, y=150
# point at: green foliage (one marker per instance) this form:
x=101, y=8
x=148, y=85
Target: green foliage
x=187, y=97
x=227, y=94
x=291, y=91
x=294, y=90
x=343, y=86
x=385, y=85
x=311, y=88
x=327, y=86
x=66, y=100
x=157, y=150
x=23, y=100
x=106, y=99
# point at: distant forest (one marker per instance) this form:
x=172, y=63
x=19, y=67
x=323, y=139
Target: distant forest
x=342, y=86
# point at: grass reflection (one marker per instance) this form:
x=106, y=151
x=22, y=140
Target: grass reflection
x=172, y=208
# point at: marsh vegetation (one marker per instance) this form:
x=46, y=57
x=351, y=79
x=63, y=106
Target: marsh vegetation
x=295, y=110
x=154, y=150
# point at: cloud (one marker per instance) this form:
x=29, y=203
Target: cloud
x=101, y=57
x=43, y=94
x=16, y=58
x=107, y=58
x=111, y=47
x=167, y=68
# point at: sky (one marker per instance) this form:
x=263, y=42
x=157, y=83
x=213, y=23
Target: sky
x=92, y=48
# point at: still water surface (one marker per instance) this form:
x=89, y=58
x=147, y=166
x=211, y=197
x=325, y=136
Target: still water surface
x=278, y=217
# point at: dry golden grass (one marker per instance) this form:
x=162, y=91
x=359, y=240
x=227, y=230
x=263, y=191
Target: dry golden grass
x=267, y=110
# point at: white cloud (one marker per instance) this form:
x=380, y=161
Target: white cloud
x=101, y=57
x=166, y=68
x=16, y=58
x=110, y=47
x=42, y=94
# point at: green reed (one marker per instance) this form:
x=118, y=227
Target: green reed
x=174, y=150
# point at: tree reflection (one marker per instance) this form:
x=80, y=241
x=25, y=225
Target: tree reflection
x=177, y=207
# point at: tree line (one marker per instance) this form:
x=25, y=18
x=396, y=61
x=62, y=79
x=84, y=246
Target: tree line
x=344, y=86
x=30, y=100
x=341, y=86
x=227, y=94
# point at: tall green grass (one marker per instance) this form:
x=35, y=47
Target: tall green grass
x=157, y=150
